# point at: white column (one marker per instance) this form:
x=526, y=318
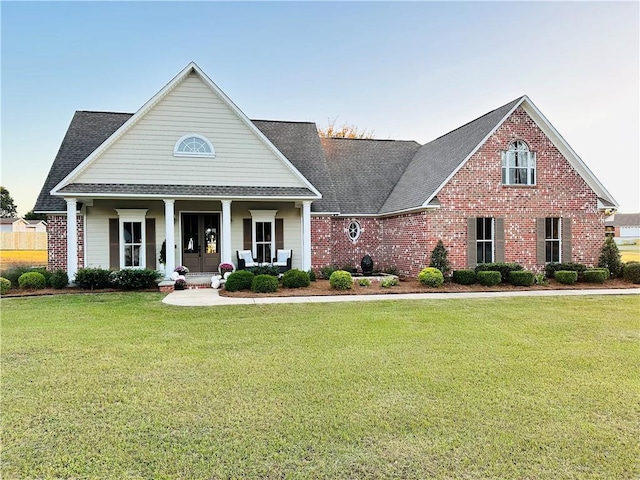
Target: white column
x=225, y=248
x=72, y=238
x=169, y=234
x=306, y=235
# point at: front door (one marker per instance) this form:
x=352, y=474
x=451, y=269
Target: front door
x=201, y=241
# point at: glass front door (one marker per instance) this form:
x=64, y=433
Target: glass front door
x=201, y=241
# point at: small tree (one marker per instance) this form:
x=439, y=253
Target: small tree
x=31, y=215
x=439, y=259
x=7, y=207
x=610, y=257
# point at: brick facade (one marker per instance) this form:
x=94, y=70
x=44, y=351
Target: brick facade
x=57, y=242
x=476, y=190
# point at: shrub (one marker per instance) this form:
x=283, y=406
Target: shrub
x=522, y=278
x=610, y=257
x=364, y=282
x=59, y=279
x=239, y=280
x=389, y=282
x=312, y=275
x=464, y=277
x=264, y=270
x=503, y=268
x=568, y=277
x=13, y=274
x=5, y=285
x=295, y=279
x=541, y=279
x=631, y=272
x=341, y=280
x=92, y=278
x=439, y=259
x=431, y=277
x=488, y=278
x=134, y=279
x=327, y=271
x=32, y=281
x=595, y=275
x=551, y=268
x=392, y=271
x=264, y=283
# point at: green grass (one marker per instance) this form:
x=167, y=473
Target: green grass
x=122, y=386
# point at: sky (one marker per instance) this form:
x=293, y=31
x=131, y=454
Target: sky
x=406, y=70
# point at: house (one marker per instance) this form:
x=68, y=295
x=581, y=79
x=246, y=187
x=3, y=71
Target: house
x=21, y=225
x=625, y=227
x=191, y=169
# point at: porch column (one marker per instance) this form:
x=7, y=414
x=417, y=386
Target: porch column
x=72, y=238
x=306, y=235
x=169, y=234
x=225, y=248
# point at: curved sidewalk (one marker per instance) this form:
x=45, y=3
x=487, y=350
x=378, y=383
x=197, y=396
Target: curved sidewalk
x=209, y=297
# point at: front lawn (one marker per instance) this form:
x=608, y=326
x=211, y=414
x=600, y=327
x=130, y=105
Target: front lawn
x=122, y=386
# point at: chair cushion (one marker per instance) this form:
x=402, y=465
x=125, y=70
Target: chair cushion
x=283, y=256
x=246, y=256
x=279, y=264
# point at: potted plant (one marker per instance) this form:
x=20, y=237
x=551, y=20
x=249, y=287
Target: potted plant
x=181, y=270
x=225, y=268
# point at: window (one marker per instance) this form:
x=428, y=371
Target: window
x=484, y=240
x=518, y=165
x=132, y=237
x=263, y=241
x=263, y=238
x=353, y=230
x=552, y=239
x=194, y=145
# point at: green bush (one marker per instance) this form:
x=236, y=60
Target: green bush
x=364, y=282
x=59, y=279
x=134, y=279
x=568, y=277
x=522, y=278
x=341, y=280
x=439, y=259
x=464, y=277
x=551, y=268
x=14, y=273
x=595, y=275
x=32, y=281
x=431, y=277
x=488, y=278
x=541, y=279
x=92, y=278
x=631, y=272
x=239, y=280
x=265, y=270
x=389, y=282
x=504, y=268
x=5, y=285
x=264, y=283
x=610, y=257
x=295, y=279
x=312, y=275
x=327, y=271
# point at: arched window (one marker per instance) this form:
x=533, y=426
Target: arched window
x=193, y=145
x=353, y=230
x=518, y=165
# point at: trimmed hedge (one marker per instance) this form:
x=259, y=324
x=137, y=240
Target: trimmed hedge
x=341, y=280
x=464, y=277
x=5, y=285
x=264, y=283
x=551, y=268
x=431, y=277
x=134, y=279
x=265, y=270
x=59, y=279
x=32, y=281
x=503, y=268
x=14, y=273
x=239, y=280
x=92, y=278
x=568, y=277
x=295, y=279
x=488, y=278
x=595, y=275
x=522, y=278
x=631, y=272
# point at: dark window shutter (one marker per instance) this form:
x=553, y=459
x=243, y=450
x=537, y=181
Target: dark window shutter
x=499, y=231
x=279, y=233
x=540, y=241
x=566, y=239
x=150, y=246
x=246, y=234
x=472, y=252
x=114, y=244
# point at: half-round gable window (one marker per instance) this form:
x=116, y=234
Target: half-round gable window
x=192, y=145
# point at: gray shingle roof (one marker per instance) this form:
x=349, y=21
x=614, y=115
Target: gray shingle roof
x=187, y=190
x=623, y=220
x=438, y=159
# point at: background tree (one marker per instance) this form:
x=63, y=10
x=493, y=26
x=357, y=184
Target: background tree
x=439, y=259
x=610, y=257
x=31, y=215
x=347, y=130
x=7, y=208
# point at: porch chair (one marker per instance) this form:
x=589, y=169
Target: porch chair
x=283, y=260
x=245, y=259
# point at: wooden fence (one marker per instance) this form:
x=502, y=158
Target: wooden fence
x=23, y=241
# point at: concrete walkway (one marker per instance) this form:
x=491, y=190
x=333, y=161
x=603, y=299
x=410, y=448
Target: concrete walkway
x=209, y=297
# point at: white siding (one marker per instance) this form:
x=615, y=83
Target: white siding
x=145, y=153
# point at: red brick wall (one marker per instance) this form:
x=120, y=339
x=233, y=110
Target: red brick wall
x=57, y=241
x=321, y=242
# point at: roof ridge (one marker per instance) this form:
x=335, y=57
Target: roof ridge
x=371, y=139
x=101, y=111
x=282, y=121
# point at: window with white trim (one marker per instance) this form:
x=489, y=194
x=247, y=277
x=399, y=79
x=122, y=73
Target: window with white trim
x=518, y=165
x=552, y=239
x=484, y=240
x=193, y=145
x=132, y=238
x=353, y=230
x=263, y=237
